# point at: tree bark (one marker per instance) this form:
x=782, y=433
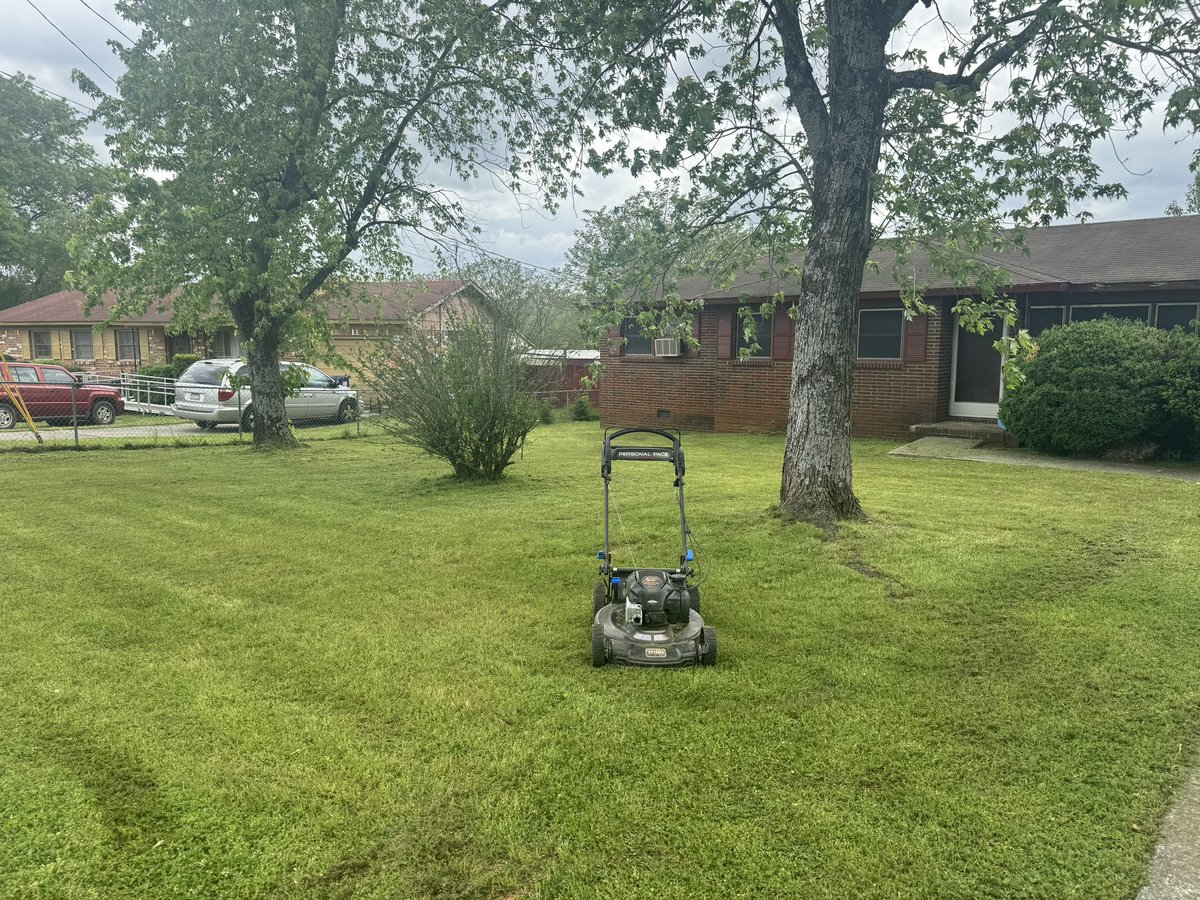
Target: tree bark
x=267, y=388
x=817, y=483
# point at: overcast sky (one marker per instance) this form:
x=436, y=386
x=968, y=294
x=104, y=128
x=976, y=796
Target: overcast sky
x=1153, y=166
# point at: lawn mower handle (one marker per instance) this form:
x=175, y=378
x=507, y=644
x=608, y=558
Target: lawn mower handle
x=673, y=454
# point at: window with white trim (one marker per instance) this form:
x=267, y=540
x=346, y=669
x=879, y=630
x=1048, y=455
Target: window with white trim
x=1136, y=312
x=1042, y=317
x=1176, y=315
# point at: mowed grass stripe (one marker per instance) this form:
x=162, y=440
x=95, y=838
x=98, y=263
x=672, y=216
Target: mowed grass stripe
x=336, y=672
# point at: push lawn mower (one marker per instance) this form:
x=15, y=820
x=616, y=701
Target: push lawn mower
x=648, y=616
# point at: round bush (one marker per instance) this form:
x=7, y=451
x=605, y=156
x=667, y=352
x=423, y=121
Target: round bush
x=1183, y=389
x=1092, y=387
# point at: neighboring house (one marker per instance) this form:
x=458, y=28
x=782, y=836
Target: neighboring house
x=923, y=370
x=56, y=328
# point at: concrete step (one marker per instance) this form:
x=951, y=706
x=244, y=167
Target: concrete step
x=984, y=431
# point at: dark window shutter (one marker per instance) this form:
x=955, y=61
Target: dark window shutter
x=916, y=334
x=615, y=347
x=724, y=334
x=783, y=334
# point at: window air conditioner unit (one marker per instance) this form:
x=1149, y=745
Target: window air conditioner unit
x=666, y=347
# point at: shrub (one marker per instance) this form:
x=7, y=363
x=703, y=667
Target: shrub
x=153, y=391
x=160, y=371
x=466, y=399
x=1182, y=389
x=180, y=363
x=546, y=413
x=583, y=411
x=1095, y=388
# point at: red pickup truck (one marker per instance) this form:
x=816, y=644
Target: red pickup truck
x=47, y=391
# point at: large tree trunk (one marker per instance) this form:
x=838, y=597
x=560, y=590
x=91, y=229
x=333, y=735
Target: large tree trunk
x=271, y=429
x=817, y=485
x=267, y=388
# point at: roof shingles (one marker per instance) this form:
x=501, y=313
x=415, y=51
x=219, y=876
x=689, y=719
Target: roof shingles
x=388, y=301
x=1139, y=251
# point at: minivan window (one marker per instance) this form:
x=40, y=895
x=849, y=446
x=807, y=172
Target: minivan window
x=204, y=373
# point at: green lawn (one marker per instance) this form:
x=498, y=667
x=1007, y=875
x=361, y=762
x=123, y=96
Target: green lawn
x=335, y=673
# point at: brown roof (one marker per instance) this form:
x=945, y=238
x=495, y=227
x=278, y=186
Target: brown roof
x=388, y=301
x=1160, y=252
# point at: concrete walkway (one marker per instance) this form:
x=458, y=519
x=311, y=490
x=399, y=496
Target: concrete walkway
x=1175, y=869
x=968, y=449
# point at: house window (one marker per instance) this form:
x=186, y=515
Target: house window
x=127, y=344
x=879, y=333
x=1042, y=317
x=762, y=335
x=81, y=344
x=1171, y=315
x=40, y=346
x=1138, y=313
x=180, y=343
x=224, y=343
x=636, y=343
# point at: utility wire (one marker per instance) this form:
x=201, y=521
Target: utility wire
x=107, y=22
x=41, y=90
x=71, y=42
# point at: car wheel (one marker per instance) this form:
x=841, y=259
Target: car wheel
x=248, y=420
x=708, y=647
x=8, y=416
x=599, y=654
x=347, y=412
x=599, y=597
x=103, y=413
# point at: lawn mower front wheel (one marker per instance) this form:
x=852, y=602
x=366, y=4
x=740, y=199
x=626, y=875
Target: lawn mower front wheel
x=708, y=646
x=599, y=653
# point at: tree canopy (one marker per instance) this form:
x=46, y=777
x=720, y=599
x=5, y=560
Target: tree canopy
x=274, y=151
x=48, y=175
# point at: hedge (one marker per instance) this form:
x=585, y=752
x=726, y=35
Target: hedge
x=1108, y=387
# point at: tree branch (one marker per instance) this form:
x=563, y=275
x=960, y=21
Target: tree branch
x=804, y=93
x=928, y=80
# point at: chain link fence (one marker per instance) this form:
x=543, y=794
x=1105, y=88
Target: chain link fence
x=44, y=408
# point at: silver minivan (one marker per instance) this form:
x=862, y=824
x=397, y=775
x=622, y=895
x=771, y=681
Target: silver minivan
x=204, y=394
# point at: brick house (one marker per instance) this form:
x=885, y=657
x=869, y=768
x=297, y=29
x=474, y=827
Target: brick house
x=56, y=328
x=909, y=372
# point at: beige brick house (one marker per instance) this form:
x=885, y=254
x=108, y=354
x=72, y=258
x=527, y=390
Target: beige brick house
x=56, y=327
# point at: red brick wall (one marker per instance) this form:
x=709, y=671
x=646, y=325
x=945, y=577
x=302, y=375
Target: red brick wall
x=700, y=391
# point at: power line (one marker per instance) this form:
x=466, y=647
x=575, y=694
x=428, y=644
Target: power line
x=107, y=22
x=71, y=42
x=41, y=90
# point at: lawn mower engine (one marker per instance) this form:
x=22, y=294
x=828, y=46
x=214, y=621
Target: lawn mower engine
x=655, y=597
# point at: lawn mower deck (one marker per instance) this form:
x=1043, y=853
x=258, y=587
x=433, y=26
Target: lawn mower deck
x=642, y=615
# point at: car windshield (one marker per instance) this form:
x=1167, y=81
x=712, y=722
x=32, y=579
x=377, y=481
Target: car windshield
x=204, y=372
